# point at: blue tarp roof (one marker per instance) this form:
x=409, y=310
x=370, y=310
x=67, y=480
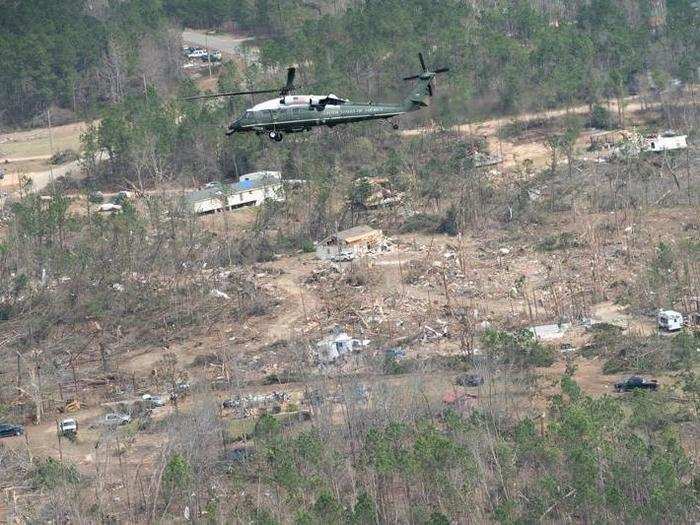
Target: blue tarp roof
x=229, y=189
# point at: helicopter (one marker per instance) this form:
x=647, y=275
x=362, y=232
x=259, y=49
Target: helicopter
x=291, y=113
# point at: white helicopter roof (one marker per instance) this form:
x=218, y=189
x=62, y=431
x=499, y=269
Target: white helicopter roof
x=293, y=100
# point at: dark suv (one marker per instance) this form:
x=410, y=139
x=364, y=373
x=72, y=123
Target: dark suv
x=7, y=430
x=635, y=382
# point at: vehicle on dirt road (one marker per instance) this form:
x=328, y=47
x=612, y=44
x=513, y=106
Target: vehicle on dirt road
x=156, y=401
x=116, y=418
x=8, y=430
x=68, y=428
x=636, y=382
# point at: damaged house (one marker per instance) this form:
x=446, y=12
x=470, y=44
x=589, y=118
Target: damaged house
x=349, y=244
x=252, y=190
x=374, y=192
x=331, y=348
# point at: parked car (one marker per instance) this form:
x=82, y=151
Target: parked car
x=96, y=197
x=8, y=430
x=469, y=380
x=197, y=53
x=634, y=382
x=116, y=418
x=68, y=428
x=156, y=401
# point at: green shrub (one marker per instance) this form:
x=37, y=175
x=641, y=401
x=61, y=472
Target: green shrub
x=308, y=246
x=49, y=473
x=420, y=222
x=177, y=474
x=601, y=118
x=520, y=348
x=64, y=156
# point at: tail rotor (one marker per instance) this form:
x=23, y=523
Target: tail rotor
x=427, y=74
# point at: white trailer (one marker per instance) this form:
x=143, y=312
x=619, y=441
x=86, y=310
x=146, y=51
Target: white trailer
x=670, y=320
x=665, y=143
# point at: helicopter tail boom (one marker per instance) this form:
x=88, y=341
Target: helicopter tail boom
x=423, y=88
x=418, y=98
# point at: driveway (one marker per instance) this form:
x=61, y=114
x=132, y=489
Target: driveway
x=225, y=42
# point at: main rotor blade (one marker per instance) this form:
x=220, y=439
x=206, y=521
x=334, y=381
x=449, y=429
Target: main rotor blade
x=231, y=94
x=441, y=70
x=422, y=62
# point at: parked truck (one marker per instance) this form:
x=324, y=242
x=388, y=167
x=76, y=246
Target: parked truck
x=636, y=382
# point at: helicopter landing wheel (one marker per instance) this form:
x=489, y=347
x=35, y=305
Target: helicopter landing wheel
x=394, y=125
x=275, y=135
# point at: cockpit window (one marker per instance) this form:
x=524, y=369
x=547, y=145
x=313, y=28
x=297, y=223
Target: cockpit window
x=248, y=114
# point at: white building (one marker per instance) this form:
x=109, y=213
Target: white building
x=670, y=320
x=665, y=142
x=252, y=190
x=550, y=332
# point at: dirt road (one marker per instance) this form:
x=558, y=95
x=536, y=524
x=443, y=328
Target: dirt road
x=27, y=154
x=535, y=151
x=235, y=46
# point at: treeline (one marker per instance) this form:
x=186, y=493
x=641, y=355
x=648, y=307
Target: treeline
x=598, y=460
x=72, y=54
x=505, y=55
x=261, y=16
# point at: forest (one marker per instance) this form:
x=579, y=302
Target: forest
x=504, y=55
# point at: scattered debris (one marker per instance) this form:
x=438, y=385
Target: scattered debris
x=481, y=160
x=109, y=207
x=246, y=406
x=375, y=192
x=337, y=345
x=219, y=294
x=72, y=405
